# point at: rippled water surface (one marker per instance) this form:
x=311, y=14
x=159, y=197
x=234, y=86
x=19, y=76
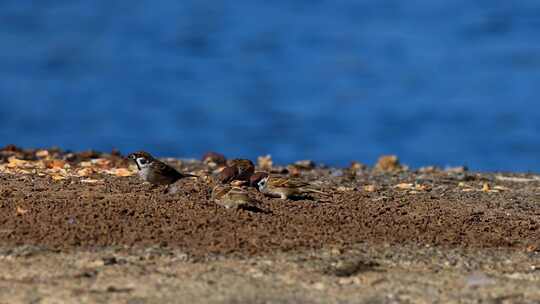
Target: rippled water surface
x=436, y=82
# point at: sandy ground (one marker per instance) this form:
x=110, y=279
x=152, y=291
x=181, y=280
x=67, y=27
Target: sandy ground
x=361, y=274
x=81, y=228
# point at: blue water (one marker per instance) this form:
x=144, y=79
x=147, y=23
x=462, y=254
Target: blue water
x=435, y=82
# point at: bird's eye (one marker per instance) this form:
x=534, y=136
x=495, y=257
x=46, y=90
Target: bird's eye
x=142, y=161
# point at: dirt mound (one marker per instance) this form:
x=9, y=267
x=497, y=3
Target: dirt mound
x=113, y=210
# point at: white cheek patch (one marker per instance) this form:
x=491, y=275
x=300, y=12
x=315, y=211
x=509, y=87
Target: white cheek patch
x=262, y=183
x=142, y=162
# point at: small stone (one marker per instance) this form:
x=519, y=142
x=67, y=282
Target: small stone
x=336, y=251
x=90, y=154
x=532, y=248
x=101, y=162
x=214, y=159
x=85, y=164
x=404, y=186
x=11, y=148
x=388, y=163
x=107, y=261
x=337, y=173
x=305, y=164
x=478, y=280
x=90, y=181
x=422, y=187
x=356, y=166
x=346, y=281
x=55, y=164
x=85, y=171
x=428, y=169
x=14, y=162
x=265, y=162
x=21, y=211
x=121, y=172
x=459, y=169
x=318, y=286
x=350, y=281
x=345, y=189
x=501, y=188
x=58, y=177
x=42, y=153
x=370, y=188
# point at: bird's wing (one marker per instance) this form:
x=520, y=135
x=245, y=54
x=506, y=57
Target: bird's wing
x=287, y=183
x=167, y=170
x=228, y=174
x=220, y=191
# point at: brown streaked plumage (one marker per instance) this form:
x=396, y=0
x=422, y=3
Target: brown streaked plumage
x=227, y=175
x=282, y=187
x=231, y=197
x=238, y=169
x=155, y=171
x=214, y=159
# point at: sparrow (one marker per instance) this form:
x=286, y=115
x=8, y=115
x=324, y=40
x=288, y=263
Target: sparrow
x=214, y=159
x=155, y=171
x=238, y=169
x=231, y=197
x=255, y=178
x=281, y=187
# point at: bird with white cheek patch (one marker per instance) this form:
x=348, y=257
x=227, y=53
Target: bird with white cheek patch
x=155, y=171
x=281, y=187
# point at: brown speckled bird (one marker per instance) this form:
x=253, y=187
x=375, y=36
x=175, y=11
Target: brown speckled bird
x=238, y=169
x=154, y=171
x=232, y=197
x=282, y=187
x=214, y=159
